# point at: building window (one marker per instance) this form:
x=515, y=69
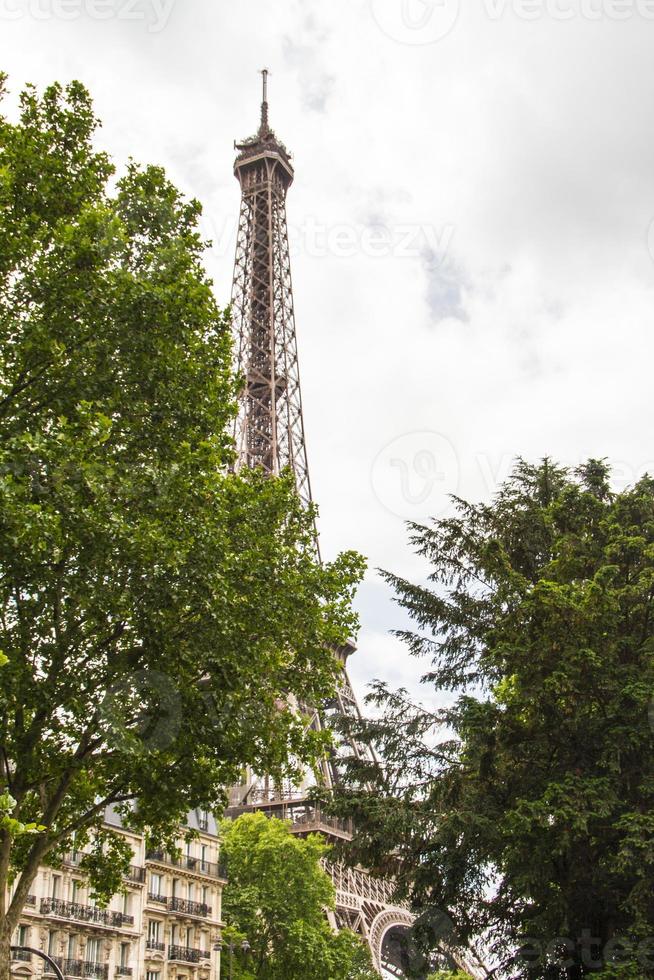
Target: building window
x=205, y=894
x=156, y=884
x=154, y=927
x=127, y=903
x=93, y=950
x=75, y=890
x=153, y=975
x=52, y=942
x=21, y=936
x=72, y=947
x=204, y=820
x=124, y=954
x=56, y=885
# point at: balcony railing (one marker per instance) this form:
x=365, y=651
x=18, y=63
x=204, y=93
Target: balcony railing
x=205, y=954
x=30, y=900
x=81, y=968
x=186, y=907
x=209, y=868
x=123, y=971
x=155, y=897
x=184, y=953
x=155, y=944
x=85, y=913
x=21, y=954
x=136, y=874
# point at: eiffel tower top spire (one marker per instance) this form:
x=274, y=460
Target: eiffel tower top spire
x=264, y=128
x=264, y=142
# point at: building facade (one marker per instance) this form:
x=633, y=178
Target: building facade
x=164, y=926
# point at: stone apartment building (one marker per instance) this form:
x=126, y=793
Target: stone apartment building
x=163, y=928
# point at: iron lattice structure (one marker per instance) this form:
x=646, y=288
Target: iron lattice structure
x=269, y=434
x=270, y=425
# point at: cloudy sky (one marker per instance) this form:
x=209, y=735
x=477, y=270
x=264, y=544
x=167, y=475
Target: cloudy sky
x=472, y=251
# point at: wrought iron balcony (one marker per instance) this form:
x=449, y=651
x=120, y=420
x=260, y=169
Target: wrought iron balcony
x=154, y=897
x=205, y=954
x=30, y=900
x=184, y=953
x=21, y=954
x=187, y=907
x=123, y=971
x=81, y=968
x=209, y=868
x=155, y=944
x=85, y=913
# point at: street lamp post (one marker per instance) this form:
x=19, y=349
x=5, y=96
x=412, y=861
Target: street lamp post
x=244, y=946
x=44, y=956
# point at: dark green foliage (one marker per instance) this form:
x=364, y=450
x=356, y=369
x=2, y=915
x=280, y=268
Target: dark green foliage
x=526, y=810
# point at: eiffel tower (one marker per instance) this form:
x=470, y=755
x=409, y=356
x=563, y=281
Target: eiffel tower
x=269, y=434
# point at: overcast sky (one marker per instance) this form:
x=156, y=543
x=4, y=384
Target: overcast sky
x=472, y=253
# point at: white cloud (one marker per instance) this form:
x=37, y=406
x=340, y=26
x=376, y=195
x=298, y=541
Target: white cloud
x=524, y=146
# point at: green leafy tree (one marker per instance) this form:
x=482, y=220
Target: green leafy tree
x=525, y=810
x=276, y=900
x=155, y=608
x=449, y=975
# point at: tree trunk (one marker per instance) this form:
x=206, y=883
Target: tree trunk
x=13, y=909
x=5, y=953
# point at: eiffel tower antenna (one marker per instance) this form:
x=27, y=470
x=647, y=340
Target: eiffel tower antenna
x=269, y=434
x=264, y=102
